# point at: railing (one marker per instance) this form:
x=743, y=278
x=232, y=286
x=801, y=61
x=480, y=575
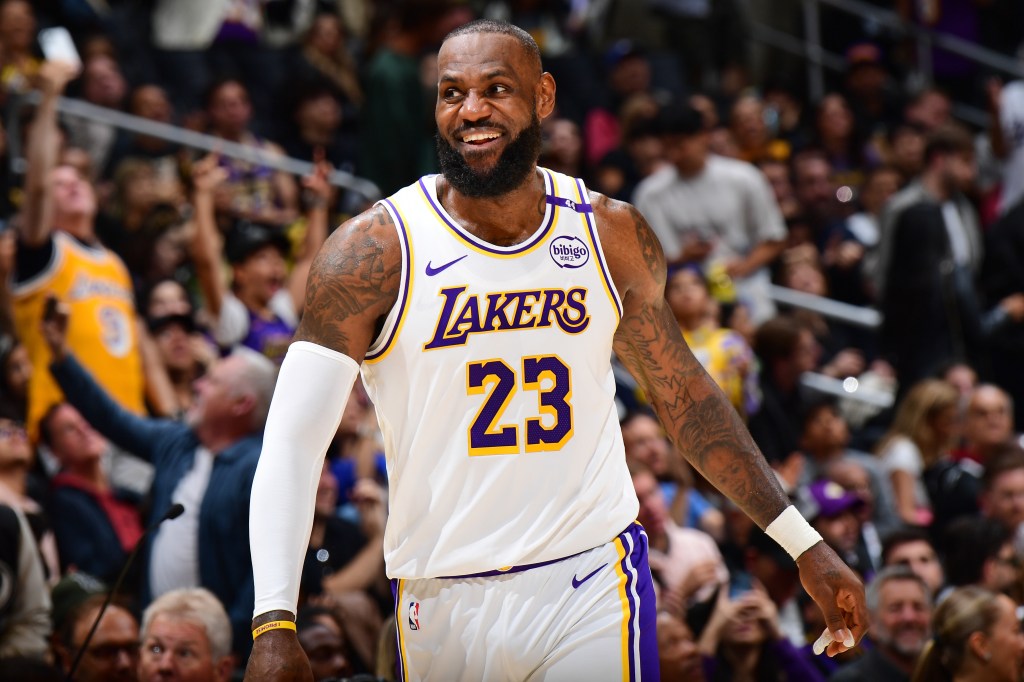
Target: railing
x=819, y=59
x=837, y=310
x=186, y=138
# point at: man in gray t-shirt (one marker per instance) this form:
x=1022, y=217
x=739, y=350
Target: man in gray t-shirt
x=714, y=211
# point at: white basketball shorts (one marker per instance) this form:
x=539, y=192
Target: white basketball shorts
x=590, y=616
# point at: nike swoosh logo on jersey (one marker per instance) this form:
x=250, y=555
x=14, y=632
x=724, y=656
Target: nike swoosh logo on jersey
x=431, y=271
x=576, y=583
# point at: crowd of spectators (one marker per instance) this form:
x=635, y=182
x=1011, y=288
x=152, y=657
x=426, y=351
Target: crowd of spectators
x=147, y=291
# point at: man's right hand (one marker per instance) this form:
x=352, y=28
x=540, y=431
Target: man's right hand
x=276, y=655
x=53, y=77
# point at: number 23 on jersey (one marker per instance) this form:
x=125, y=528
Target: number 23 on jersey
x=548, y=376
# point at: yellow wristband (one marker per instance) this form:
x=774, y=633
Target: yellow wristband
x=273, y=625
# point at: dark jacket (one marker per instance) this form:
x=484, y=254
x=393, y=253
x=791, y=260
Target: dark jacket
x=225, y=566
x=873, y=666
x=86, y=537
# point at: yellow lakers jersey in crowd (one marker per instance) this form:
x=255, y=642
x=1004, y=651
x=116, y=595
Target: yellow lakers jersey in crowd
x=95, y=285
x=493, y=387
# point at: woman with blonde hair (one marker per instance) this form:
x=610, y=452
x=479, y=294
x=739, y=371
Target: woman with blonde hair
x=977, y=638
x=923, y=432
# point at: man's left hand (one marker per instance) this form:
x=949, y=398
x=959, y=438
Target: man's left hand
x=838, y=593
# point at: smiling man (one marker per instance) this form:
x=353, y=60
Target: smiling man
x=482, y=306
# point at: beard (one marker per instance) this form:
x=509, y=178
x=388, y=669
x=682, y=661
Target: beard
x=510, y=171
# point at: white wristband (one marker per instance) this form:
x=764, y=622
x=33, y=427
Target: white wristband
x=792, y=531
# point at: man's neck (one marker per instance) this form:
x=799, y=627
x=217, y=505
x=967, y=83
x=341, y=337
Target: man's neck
x=15, y=478
x=904, y=663
x=80, y=227
x=315, y=136
x=934, y=185
x=219, y=438
x=689, y=171
x=505, y=220
x=93, y=475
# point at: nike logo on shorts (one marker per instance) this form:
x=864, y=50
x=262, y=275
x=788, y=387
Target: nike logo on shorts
x=431, y=271
x=576, y=583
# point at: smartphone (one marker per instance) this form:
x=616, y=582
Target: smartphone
x=58, y=46
x=50, y=308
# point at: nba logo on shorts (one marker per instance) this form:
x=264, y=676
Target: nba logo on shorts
x=414, y=615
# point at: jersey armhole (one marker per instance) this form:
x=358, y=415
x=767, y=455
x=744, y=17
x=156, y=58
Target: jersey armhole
x=393, y=323
x=595, y=245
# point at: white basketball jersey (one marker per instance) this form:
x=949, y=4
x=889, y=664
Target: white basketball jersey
x=494, y=392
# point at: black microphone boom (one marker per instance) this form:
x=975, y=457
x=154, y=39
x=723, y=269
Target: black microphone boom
x=173, y=512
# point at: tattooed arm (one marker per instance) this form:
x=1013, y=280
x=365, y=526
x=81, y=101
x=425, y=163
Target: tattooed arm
x=353, y=283
x=696, y=414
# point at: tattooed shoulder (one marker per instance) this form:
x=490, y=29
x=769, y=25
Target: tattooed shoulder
x=353, y=281
x=633, y=251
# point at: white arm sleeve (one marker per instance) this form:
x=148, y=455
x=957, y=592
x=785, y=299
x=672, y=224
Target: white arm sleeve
x=311, y=392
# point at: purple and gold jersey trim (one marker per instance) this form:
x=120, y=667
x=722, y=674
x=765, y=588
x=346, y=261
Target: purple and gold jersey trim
x=481, y=246
x=379, y=352
x=609, y=285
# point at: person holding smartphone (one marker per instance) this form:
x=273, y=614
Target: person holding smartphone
x=58, y=254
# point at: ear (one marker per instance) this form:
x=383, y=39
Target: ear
x=545, y=95
x=243, y=404
x=225, y=668
x=978, y=645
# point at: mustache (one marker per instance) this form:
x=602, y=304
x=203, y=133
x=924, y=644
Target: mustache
x=470, y=127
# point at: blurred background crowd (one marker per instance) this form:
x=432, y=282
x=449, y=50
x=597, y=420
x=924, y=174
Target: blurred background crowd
x=148, y=290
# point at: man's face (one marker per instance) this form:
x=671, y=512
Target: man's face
x=989, y=419
x=825, y=432
x=686, y=151
x=15, y=451
x=920, y=558
x=325, y=648
x=261, y=274
x=653, y=512
x=1000, y=573
x=645, y=442
x=113, y=653
x=230, y=109
x=840, y=532
x=216, y=396
x=73, y=441
x=150, y=101
x=73, y=195
x=179, y=650
x=1005, y=500
x=960, y=170
x=813, y=186
x=902, y=621
x=490, y=101
x=103, y=83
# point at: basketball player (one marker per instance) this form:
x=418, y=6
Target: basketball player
x=483, y=305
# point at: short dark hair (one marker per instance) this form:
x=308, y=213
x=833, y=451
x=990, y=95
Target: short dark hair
x=1006, y=457
x=679, y=118
x=504, y=28
x=777, y=338
x=903, y=536
x=946, y=140
x=45, y=434
x=969, y=543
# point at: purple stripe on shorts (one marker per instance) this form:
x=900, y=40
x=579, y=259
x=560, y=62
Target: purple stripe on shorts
x=399, y=670
x=643, y=610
